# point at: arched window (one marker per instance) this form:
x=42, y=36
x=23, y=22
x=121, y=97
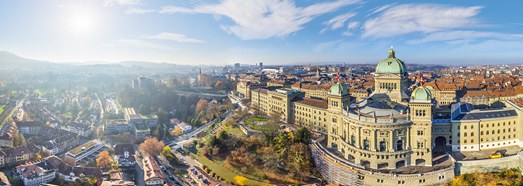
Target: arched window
x=472, y=134
x=399, y=145
x=465, y=134
x=352, y=140
x=366, y=144
x=383, y=146
x=465, y=126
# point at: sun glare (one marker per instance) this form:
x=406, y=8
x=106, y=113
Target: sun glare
x=82, y=22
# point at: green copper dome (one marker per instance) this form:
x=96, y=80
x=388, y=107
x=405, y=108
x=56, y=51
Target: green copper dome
x=391, y=65
x=339, y=89
x=420, y=94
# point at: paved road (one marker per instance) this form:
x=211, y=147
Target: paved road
x=192, y=135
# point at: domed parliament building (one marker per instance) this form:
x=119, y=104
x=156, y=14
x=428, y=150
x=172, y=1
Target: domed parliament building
x=397, y=136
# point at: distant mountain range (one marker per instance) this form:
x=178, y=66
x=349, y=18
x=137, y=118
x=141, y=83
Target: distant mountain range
x=12, y=61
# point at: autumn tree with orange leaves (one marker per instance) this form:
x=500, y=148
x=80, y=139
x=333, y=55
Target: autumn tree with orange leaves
x=104, y=160
x=152, y=146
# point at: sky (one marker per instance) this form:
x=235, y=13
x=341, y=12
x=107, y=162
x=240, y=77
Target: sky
x=269, y=31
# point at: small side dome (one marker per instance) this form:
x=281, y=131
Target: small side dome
x=339, y=89
x=421, y=94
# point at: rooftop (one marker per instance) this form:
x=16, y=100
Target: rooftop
x=80, y=148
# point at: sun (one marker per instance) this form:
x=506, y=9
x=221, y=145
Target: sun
x=82, y=22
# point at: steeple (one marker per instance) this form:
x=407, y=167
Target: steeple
x=392, y=54
x=317, y=71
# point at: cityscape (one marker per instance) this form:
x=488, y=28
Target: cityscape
x=261, y=92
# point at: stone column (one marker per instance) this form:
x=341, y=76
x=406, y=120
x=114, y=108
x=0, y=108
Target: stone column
x=359, y=138
x=407, y=135
x=375, y=137
x=391, y=139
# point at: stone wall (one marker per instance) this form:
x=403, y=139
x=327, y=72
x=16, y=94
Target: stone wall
x=489, y=165
x=336, y=170
x=331, y=170
x=439, y=177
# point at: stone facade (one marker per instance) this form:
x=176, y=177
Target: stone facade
x=339, y=171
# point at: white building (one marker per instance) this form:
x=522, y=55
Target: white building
x=84, y=150
x=34, y=175
x=185, y=127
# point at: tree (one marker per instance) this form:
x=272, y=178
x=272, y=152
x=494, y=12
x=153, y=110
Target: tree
x=92, y=180
x=223, y=135
x=176, y=131
x=38, y=157
x=300, y=159
x=166, y=150
x=19, y=140
x=270, y=131
x=240, y=180
x=275, y=118
x=144, y=110
x=281, y=146
x=229, y=122
x=152, y=146
x=202, y=105
x=302, y=135
x=104, y=160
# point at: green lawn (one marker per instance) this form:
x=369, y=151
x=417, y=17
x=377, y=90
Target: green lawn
x=2, y=109
x=43, y=92
x=234, y=130
x=264, y=127
x=228, y=175
x=251, y=119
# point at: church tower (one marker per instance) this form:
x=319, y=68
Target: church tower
x=391, y=78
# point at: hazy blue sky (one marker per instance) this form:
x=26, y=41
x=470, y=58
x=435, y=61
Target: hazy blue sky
x=271, y=31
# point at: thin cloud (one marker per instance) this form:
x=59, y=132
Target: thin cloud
x=174, y=37
x=380, y=9
x=351, y=26
x=461, y=36
x=263, y=19
x=177, y=9
x=139, y=11
x=337, y=22
x=121, y=2
x=423, y=18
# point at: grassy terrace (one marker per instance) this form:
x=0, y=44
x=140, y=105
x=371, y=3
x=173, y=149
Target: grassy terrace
x=43, y=92
x=2, y=109
x=78, y=149
x=264, y=127
x=252, y=119
x=228, y=174
x=234, y=130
